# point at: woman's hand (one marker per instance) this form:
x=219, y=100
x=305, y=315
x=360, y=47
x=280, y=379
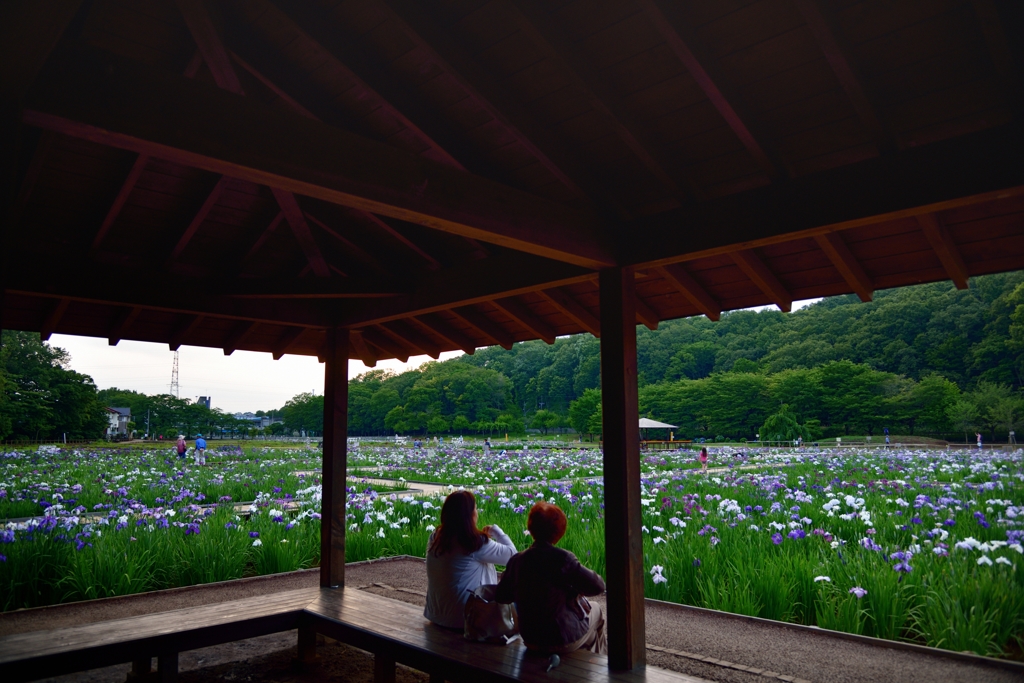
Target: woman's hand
x=487, y=530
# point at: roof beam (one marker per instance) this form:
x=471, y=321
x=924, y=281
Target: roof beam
x=404, y=333
x=360, y=253
x=536, y=22
x=53, y=318
x=286, y=340
x=762, y=276
x=238, y=335
x=184, y=330
x=361, y=348
x=971, y=169
x=300, y=228
x=847, y=264
x=568, y=305
x=683, y=43
x=677, y=276
x=545, y=146
x=646, y=315
x=380, y=224
x=101, y=97
x=216, y=57
x=35, y=168
x=942, y=243
x=993, y=27
x=29, y=31
x=527, y=318
x=122, y=324
x=114, y=211
x=487, y=327
x=848, y=78
x=260, y=241
x=435, y=324
x=376, y=336
x=197, y=219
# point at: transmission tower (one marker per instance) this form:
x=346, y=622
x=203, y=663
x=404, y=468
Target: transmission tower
x=174, y=377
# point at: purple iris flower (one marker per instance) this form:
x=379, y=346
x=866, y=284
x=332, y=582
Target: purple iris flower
x=777, y=538
x=797, y=534
x=858, y=591
x=254, y=534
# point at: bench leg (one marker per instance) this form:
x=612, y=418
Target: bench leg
x=141, y=670
x=383, y=669
x=167, y=668
x=306, y=656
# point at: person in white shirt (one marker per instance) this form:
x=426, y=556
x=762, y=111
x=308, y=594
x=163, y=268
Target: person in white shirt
x=461, y=558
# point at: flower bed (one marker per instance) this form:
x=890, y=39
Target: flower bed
x=924, y=546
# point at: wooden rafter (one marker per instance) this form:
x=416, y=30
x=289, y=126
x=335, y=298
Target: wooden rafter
x=122, y=196
x=435, y=324
x=261, y=240
x=683, y=42
x=536, y=22
x=29, y=31
x=184, y=330
x=646, y=315
x=176, y=119
x=197, y=219
x=270, y=85
x=216, y=57
x=968, y=170
x=35, y=168
x=357, y=251
x=1001, y=52
x=300, y=228
x=383, y=341
x=380, y=224
x=286, y=340
x=459, y=65
x=566, y=303
x=845, y=73
x=125, y=319
x=762, y=276
x=238, y=335
x=53, y=318
x=942, y=243
x=404, y=333
x=847, y=264
x=677, y=276
x=362, y=349
x=487, y=327
x=525, y=317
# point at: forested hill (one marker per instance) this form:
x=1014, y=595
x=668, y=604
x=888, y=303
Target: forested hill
x=972, y=338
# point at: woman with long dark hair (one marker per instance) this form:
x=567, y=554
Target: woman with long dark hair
x=460, y=558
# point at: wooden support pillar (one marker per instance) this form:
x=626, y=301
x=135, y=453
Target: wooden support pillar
x=306, y=656
x=142, y=670
x=623, y=543
x=332, y=514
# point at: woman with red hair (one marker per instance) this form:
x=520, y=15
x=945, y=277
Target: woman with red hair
x=548, y=586
x=461, y=558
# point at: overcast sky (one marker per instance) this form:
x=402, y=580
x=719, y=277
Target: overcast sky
x=243, y=381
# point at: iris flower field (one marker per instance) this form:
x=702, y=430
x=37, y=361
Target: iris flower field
x=925, y=546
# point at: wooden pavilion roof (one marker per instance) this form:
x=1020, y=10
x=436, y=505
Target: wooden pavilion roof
x=449, y=174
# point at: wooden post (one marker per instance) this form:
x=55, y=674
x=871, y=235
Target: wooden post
x=332, y=513
x=167, y=667
x=623, y=543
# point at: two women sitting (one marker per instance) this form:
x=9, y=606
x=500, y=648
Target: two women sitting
x=547, y=584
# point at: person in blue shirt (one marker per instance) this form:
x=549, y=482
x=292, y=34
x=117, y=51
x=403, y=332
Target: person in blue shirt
x=200, y=450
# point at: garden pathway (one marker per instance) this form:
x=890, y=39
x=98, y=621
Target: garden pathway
x=703, y=643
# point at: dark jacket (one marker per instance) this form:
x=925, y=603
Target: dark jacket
x=546, y=583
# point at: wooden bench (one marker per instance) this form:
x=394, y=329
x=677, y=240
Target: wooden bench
x=395, y=632
x=39, y=654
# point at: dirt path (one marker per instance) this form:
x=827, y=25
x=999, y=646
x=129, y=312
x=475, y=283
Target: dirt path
x=702, y=643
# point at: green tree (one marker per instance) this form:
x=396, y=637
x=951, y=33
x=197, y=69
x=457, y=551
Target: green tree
x=783, y=426
x=544, y=420
x=962, y=415
x=583, y=409
x=304, y=412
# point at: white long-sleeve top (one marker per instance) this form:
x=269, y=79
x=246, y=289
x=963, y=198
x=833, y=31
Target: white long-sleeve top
x=451, y=575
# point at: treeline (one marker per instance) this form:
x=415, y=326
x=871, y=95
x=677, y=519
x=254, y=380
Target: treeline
x=40, y=398
x=169, y=416
x=928, y=360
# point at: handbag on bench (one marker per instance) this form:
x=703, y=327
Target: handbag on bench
x=489, y=621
